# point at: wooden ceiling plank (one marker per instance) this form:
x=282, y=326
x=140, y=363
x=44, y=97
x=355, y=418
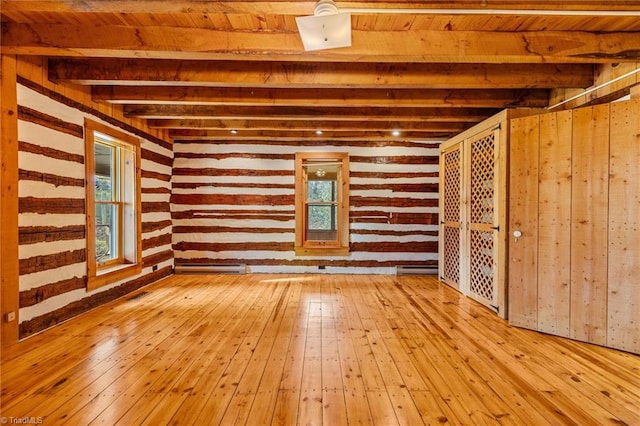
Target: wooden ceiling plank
x=416, y=46
x=296, y=7
x=308, y=113
x=320, y=75
x=190, y=95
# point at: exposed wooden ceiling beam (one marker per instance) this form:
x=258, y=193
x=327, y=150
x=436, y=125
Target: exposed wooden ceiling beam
x=416, y=46
x=309, y=113
x=192, y=126
x=326, y=75
x=499, y=98
x=218, y=135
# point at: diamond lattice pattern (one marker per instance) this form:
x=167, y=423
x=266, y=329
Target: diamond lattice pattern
x=451, y=267
x=452, y=186
x=482, y=268
x=482, y=174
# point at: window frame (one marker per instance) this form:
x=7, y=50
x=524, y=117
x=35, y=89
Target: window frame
x=103, y=273
x=340, y=246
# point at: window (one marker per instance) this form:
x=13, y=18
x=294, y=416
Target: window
x=322, y=203
x=113, y=209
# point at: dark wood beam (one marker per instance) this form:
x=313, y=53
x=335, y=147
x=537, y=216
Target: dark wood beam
x=281, y=135
x=309, y=113
x=144, y=72
x=189, y=95
x=187, y=127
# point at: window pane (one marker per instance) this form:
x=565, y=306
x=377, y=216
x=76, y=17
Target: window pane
x=321, y=190
x=104, y=179
x=321, y=217
x=106, y=232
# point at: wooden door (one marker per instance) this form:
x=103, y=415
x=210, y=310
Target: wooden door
x=482, y=218
x=451, y=235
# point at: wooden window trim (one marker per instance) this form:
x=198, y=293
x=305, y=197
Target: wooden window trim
x=322, y=248
x=118, y=270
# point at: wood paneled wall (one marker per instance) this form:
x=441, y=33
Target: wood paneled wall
x=575, y=196
x=52, y=223
x=234, y=203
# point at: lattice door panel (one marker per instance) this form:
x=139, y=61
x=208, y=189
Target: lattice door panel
x=452, y=182
x=451, y=216
x=482, y=217
x=482, y=179
x=482, y=267
x=451, y=265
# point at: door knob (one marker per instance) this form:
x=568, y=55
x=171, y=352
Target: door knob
x=517, y=234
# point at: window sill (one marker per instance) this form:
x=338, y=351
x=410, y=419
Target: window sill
x=322, y=251
x=113, y=274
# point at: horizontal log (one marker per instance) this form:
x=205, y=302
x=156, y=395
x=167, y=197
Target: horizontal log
x=201, y=230
x=147, y=154
x=398, y=159
x=155, y=175
x=395, y=218
x=51, y=261
x=281, y=74
x=159, y=190
x=393, y=233
x=155, y=207
x=184, y=171
x=50, y=152
x=203, y=214
x=157, y=258
x=239, y=199
x=442, y=131
x=397, y=187
x=358, y=201
x=153, y=242
x=49, y=178
x=194, y=185
x=36, y=295
x=83, y=305
x=155, y=226
x=51, y=205
x=41, y=234
x=49, y=121
x=190, y=95
x=389, y=175
x=225, y=155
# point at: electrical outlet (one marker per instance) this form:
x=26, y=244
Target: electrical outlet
x=321, y=267
x=10, y=316
x=154, y=268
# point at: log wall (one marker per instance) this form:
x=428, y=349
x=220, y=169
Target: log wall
x=234, y=203
x=52, y=223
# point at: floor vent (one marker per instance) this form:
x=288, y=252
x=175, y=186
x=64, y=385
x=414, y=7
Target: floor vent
x=139, y=295
x=238, y=268
x=416, y=270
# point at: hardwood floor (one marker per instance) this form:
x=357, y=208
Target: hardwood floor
x=322, y=349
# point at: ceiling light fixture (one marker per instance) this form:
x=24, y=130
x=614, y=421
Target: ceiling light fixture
x=234, y=131
x=326, y=28
x=318, y=132
x=395, y=133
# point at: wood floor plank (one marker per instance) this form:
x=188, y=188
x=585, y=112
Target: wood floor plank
x=311, y=349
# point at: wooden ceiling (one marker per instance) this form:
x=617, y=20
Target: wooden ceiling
x=426, y=69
